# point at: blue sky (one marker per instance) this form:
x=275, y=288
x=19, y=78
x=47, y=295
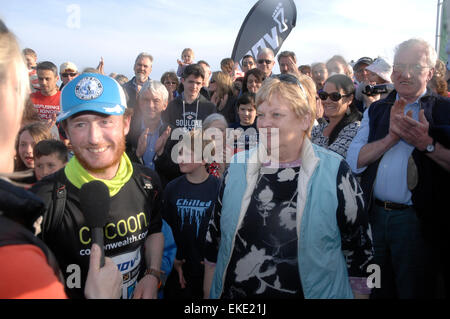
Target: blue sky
x=119, y=30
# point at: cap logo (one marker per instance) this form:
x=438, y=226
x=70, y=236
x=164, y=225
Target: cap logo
x=88, y=88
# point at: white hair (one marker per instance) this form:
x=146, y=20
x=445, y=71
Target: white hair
x=267, y=51
x=430, y=52
x=212, y=118
x=155, y=87
x=143, y=55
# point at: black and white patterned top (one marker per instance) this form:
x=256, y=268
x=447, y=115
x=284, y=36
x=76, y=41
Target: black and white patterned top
x=264, y=258
x=342, y=141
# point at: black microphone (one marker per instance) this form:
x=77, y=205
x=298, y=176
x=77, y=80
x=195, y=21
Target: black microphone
x=95, y=203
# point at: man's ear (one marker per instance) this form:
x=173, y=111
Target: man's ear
x=430, y=74
x=126, y=124
x=65, y=128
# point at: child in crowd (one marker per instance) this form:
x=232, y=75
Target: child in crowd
x=49, y=157
x=187, y=57
x=188, y=202
x=28, y=137
x=248, y=135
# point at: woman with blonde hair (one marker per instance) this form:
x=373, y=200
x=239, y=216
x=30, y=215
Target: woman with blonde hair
x=220, y=89
x=290, y=219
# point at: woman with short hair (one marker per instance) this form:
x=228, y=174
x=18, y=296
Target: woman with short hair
x=290, y=219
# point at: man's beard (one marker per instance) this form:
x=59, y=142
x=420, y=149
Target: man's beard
x=141, y=77
x=120, y=149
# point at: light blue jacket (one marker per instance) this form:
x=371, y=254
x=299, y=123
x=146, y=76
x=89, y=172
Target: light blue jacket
x=322, y=266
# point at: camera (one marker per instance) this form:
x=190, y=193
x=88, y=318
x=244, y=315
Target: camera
x=371, y=90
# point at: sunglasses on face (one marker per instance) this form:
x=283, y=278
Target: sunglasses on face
x=261, y=61
x=247, y=63
x=212, y=81
x=170, y=83
x=334, y=96
x=65, y=75
x=290, y=79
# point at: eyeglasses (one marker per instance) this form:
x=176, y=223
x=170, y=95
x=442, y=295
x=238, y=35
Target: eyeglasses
x=334, y=96
x=65, y=75
x=170, y=83
x=247, y=63
x=413, y=68
x=288, y=78
x=261, y=61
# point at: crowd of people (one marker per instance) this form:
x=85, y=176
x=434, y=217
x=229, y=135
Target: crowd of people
x=231, y=183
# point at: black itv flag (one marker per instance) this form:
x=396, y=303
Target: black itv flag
x=267, y=25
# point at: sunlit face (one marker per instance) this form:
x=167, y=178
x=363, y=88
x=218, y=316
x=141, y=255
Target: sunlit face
x=192, y=86
x=25, y=150
x=374, y=78
x=334, y=109
x=319, y=75
x=98, y=141
x=68, y=76
x=187, y=162
x=265, y=63
x=47, y=82
x=207, y=71
x=212, y=85
x=46, y=165
x=335, y=67
x=361, y=74
x=411, y=73
x=280, y=128
x=11, y=106
x=247, y=114
x=151, y=106
x=187, y=57
x=30, y=61
x=284, y=64
x=170, y=84
x=253, y=84
x=142, y=69
x=248, y=64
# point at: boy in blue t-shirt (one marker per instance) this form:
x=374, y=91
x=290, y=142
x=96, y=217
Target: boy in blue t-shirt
x=188, y=202
x=247, y=123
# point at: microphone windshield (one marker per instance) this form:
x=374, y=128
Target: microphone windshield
x=95, y=203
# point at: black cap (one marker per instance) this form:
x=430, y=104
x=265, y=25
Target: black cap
x=363, y=60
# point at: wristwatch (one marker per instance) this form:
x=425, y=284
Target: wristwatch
x=158, y=274
x=430, y=147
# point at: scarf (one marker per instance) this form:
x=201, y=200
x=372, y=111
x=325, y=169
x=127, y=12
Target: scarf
x=78, y=176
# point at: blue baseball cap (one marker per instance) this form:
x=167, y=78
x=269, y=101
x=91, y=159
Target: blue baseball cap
x=92, y=92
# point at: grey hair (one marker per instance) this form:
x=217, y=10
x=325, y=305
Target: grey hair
x=287, y=54
x=416, y=42
x=143, y=55
x=155, y=87
x=212, y=118
x=266, y=51
x=316, y=64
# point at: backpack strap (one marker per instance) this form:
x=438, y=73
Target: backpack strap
x=59, y=195
x=144, y=182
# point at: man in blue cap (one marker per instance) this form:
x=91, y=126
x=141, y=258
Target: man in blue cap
x=96, y=120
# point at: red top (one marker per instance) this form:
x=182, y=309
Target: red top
x=46, y=105
x=25, y=274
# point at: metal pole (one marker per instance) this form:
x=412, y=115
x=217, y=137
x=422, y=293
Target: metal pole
x=438, y=23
